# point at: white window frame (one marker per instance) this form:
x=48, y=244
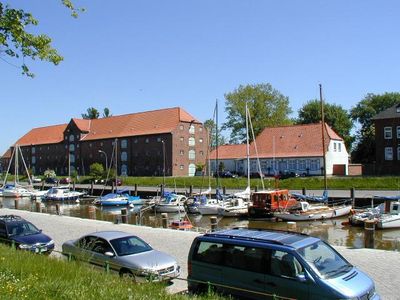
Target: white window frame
x=192, y=155
x=387, y=133
x=192, y=129
x=191, y=141
x=388, y=153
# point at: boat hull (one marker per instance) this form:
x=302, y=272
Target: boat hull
x=161, y=208
x=392, y=221
x=322, y=215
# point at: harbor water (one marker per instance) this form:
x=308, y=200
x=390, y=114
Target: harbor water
x=334, y=231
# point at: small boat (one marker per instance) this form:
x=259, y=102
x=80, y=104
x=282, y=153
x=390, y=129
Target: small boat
x=118, y=198
x=313, y=212
x=236, y=207
x=15, y=191
x=181, y=225
x=171, y=203
x=391, y=218
x=61, y=193
x=359, y=216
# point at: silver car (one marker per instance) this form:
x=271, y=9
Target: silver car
x=124, y=253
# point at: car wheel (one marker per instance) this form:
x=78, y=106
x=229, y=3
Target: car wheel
x=127, y=274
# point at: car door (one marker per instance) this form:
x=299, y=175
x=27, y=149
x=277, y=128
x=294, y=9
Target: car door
x=282, y=278
x=244, y=271
x=99, y=248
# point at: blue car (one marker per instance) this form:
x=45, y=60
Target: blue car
x=271, y=264
x=17, y=231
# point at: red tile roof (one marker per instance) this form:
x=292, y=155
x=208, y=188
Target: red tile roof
x=143, y=123
x=229, y=152
x=7, y=154
x=285, y=141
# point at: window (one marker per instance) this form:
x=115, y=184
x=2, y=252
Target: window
x=398, y=154
x=200, y=129
x=72, y=158
x=71, y=148
x=124, y=144
x=159, y=139
x=201, y=153
x=192, y=141
x=334, y=147
x=192, y=170
x=135, y=141
x=33, y=150
x=33, y=160
x=192, y=154
x=124, y=170
x=314, y=164
x=398, y=132
x=200, y=140
x=191, y=129
x=181, y=138
x=71, y=138
x=146, y=140
x=292, y=165
x=388, y=153
x=340, y=147
x=181, y=152
x=181, y=167
x=387, y=133
x=302, y=165
x=181, y=127
x=124, y=156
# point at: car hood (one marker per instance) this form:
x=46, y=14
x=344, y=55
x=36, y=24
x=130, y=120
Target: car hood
x=31, y=239
x=352, y=284
x=149, y=260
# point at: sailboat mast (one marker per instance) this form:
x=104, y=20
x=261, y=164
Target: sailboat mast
x=323, y=136
x=116, y=162
x=247, y=145
x=16, y=165
x=216, y=142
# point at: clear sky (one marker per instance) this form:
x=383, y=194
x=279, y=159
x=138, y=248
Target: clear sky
x=133, y=56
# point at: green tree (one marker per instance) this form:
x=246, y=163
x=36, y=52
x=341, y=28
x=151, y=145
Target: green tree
x=212, y=139
x=267, y=106
x=17, y=43
x=49, y=173
x=335, y=116
x=106, y=112
x=91, y=113
x=362, y=113
x=96, y=170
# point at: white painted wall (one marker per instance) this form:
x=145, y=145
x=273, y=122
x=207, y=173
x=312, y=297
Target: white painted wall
x=336, y=155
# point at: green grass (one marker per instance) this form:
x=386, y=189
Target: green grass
x=28, y=276
x=316, y=182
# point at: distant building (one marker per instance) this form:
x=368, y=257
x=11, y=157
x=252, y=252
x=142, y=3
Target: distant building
x=285, y=149
x=387, y=137
x=146, y=141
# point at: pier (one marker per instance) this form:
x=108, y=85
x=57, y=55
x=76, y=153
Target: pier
x=381, y=265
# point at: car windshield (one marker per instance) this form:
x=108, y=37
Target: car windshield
x=22, y=228
x=324, y=260
x=129, y=245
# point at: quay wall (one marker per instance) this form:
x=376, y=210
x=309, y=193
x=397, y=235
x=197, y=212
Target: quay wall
x=383, y=266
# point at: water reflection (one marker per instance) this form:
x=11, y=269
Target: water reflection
x=329, y=230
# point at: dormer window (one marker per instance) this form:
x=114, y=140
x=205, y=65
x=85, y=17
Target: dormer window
x=71, y=138
x=398, y=108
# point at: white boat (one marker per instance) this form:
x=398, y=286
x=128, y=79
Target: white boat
x=391, y=219
x=62, y=193
x=236, y=207
x=210, y=207
x=119, y=198
x=16, y=191
x=309, y=211
x=358, y=216
x=172, y=203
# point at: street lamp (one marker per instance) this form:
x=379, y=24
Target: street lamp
x=105, y=155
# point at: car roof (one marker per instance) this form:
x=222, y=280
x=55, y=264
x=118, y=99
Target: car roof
x=278, y=237
x=110, y=235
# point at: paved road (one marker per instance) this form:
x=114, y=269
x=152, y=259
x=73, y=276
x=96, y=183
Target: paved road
x=382, y=266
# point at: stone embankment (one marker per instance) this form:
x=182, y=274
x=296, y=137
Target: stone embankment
x=382, y=266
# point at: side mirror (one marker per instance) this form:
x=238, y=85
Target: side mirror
x=301, y=277
x=109, y=254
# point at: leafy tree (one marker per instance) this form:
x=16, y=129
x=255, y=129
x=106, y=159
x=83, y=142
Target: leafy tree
x=96, y=170
x=106, y=112
x=362, y=113
x=210, y=125
x=91, y=113
x=267, y=106
x=335, y=116
x=49, y=173
x=17, y=43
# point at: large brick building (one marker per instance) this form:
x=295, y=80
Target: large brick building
x=387, y=137
x=296, y=148
x=145, y=142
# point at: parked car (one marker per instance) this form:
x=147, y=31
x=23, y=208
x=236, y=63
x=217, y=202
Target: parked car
x=51, y=180
x=36, y=179
x=255, y=264
x=65, y=180
x=112, y=181
x=126, y=254
x=24, y=235
x=286, y=175
x=226, y=174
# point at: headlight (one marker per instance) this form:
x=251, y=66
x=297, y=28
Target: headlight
x=50, y=243
x=24, y=246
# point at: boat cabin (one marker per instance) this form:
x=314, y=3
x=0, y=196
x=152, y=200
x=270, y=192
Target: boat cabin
x=265, y=203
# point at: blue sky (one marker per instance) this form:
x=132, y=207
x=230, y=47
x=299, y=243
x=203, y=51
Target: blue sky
x=133, y=56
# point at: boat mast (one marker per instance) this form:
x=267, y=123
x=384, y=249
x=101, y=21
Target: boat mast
x=323, y=136
x=16, y=166
x=216, y=143
x=116, y=162
x=247, y=146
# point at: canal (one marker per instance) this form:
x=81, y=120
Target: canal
x=333, y=231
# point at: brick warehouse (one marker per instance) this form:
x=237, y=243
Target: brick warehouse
x=143, y=140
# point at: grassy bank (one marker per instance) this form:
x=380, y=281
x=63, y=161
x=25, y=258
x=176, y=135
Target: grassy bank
x=27, y=276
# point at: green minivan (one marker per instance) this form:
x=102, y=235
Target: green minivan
x=271, y=264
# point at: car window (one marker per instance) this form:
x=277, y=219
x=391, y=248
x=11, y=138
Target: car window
x=324, y=260
x=86, y=242
x=3, y=231
x=129, y=245
x=22, y=228
x=101, y=246
x=285, y=265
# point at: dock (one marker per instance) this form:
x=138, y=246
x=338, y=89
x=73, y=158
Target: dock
x=381, y=265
